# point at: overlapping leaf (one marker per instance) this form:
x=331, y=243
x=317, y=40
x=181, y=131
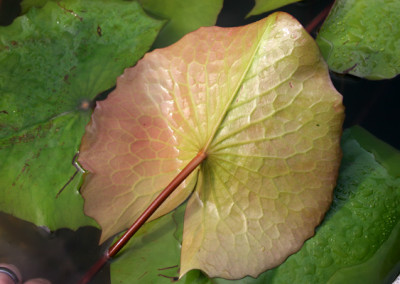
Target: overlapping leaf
x=28, y=4
x=259, y=102
x=143, y=252
x=154, y=253
x=183, y=16
x=356, y=242
x=262, y=6
x=53, y=62
x=362, y=38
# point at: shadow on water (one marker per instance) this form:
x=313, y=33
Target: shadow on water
x=62, y=256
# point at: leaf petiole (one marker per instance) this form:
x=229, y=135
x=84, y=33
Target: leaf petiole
x=122, y=241
x=319, y=18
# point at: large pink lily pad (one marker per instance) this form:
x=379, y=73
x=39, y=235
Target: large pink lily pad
x=259, y=102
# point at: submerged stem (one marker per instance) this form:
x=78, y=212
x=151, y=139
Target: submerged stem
x=319, y=18
x=119, y=244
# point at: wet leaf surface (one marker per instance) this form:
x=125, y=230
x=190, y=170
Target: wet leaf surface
x=180, y=16
x=362, y=38
x=53, y=62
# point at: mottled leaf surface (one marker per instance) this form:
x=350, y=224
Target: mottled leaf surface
x=183, y=16
x=53, y=62
x=262, y=6
x=259, y=102
x=362, y=38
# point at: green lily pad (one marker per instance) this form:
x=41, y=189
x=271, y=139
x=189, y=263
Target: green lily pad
x=183, y=16
x=362, y=38
x=53, y=62
x=27, y=4
x=262, y=6
x=153, y=254
x=35, y=164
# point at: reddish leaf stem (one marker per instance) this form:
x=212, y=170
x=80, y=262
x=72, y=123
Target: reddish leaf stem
x=119, y=244
x=319, y=18
x=94, y=269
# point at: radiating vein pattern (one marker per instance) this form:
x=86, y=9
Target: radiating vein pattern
x=272, y=164
x=259, y=102
x=162, y=113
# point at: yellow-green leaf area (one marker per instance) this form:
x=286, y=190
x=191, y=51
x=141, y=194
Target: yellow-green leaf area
x=258, y=101
x=262, y=6
x=183, y=16
x=143, y=252
x=358, y=241
x=362, y=38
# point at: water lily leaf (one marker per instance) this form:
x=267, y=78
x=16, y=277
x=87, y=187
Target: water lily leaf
x=362, y=38
x=35, y=164
x=259, y=102
x=183, y=16
x=53, y=62
x=153, y=255
x=27, y=4
x=359, y=239
x=262, y=6
x=356, y=243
